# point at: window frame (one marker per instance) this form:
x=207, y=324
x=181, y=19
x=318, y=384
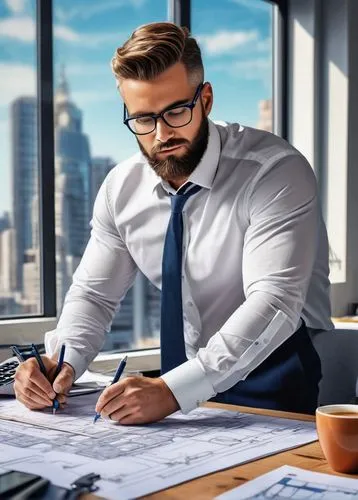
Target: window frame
x=25, y=329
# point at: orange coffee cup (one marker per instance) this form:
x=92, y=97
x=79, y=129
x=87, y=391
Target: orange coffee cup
x=337, y=427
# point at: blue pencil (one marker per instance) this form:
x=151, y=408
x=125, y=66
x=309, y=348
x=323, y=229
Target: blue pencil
x=117, y=376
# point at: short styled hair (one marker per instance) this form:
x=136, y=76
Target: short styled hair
x=154, y=48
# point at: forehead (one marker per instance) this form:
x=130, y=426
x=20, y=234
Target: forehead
x=154, y=95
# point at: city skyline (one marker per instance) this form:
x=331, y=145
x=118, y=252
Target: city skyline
x=90, y=137
x=235, y=42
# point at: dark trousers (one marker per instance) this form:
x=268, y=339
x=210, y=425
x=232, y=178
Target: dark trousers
x=287, y=380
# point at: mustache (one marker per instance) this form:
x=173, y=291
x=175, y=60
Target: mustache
x=169, y=144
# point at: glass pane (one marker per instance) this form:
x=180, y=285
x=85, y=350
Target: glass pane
x=236, y=41
x=90, y=139
x=20, y=291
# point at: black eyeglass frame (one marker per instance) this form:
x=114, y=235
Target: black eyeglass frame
x=190, y=105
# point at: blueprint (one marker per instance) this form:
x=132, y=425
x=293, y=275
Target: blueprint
x=138, y=460
x=292, y=482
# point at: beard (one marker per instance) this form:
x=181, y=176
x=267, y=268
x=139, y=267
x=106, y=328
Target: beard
x=177, y=167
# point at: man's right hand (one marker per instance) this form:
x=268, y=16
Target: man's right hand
x=34, y=390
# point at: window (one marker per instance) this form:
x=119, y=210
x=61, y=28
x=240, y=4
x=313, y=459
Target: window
x=235, y=36
x=236, y=41
x=20, y=283
x=90, y=139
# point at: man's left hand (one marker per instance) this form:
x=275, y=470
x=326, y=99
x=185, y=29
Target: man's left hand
x=137, y=400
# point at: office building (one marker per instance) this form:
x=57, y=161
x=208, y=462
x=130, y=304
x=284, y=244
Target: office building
x=100, y=166
x=4, y=221
x=72, y=186
x=23, y=113
x=8, y=261
x=265, y=115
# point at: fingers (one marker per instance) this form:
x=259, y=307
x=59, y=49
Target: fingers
x=124, y=416
x=30, y=397
x=112, y=406
x=108, y=394
x=31, y=384
x=64, y=380
x=34, y=390
x=29, y=403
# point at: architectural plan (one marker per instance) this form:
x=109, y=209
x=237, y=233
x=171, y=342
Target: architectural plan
x=138, y=460
x=292, y=482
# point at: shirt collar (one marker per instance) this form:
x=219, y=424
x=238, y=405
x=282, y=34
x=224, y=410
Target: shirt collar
x=205, y=171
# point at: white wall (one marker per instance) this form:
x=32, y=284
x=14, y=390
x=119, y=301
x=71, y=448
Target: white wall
x=323, y=124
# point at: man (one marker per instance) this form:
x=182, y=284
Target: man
x=225, y=220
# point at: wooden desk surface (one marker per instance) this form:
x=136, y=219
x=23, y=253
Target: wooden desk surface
x=308, y=457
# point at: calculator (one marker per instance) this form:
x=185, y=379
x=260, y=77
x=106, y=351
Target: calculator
x=7, y=375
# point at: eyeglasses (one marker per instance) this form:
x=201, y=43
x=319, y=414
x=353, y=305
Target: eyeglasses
x=174, y=117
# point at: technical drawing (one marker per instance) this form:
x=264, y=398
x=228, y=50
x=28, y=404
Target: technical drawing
x=139, y=459
x=293, y=482
x=292, y=487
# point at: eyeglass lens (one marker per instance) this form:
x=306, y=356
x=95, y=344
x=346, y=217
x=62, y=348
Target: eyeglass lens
x=176, y=117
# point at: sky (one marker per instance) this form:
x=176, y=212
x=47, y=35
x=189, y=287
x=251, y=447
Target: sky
x=234, y=35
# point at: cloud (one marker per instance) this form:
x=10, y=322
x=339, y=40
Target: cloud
x=84, y=98
x=20, y=28
x=251, y=69
x=16, y=80
x=95, y=9
x=254, y=5
x=226, y=41
x=87, y=69
x=23, y=29
x=66, y=34
x=16, y=6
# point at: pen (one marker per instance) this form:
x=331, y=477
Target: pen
x=55, y=403
x=60, y=361
x=17, y=353
x=119, y=372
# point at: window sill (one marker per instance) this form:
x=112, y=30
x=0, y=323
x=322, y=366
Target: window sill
x=143, y=361
x=28, y=330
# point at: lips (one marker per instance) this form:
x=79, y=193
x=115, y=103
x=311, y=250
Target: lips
x=169, y=150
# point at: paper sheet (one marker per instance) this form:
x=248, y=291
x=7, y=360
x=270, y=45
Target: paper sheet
x=138, y=460
x=292, y=482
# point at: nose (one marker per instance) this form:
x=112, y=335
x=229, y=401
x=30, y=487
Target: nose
x=163, y=131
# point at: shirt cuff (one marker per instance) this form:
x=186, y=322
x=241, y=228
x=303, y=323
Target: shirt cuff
x=189, y=384
x=72, y=356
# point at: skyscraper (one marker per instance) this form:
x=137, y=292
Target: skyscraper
x=100, y=167
x=265, y=115
x=25, y=176
x=72, y=187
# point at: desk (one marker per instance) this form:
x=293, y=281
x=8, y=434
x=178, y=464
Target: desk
x=308, y=457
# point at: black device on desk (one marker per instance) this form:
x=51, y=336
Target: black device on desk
x=8, y=369
x=25, y=486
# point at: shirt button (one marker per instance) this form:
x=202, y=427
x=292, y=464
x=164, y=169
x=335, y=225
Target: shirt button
x=190, y=304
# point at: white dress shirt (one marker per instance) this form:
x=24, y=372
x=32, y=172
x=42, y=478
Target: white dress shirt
x=255, y=259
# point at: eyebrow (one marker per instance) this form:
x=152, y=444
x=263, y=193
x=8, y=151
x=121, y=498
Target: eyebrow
x=172, y=105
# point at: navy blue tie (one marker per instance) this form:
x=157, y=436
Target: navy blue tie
x=172, y=346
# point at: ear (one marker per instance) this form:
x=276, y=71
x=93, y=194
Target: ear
x=207, y=97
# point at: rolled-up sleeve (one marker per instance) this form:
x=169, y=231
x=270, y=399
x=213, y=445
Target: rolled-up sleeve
x=104, y=275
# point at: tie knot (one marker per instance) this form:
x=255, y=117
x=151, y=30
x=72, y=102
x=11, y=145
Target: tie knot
x=178, y=200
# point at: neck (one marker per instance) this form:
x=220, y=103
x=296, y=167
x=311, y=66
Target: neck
x=177, y=182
